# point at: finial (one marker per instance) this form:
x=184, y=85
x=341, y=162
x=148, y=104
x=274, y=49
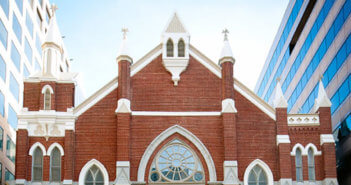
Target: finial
x=278, y=79
x=53, y=9
x=225, y=32
x=125, y=30
x=321, y=77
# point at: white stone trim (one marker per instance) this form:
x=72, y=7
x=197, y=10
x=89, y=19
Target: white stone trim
x=230, y=169
x=327, y=138
x=21, y=181
x=160, y=113
x=264, y=166
x=67, y=182
x=285, y=181
x=122, y=173
x=314, y=148
x=123, y=106
x=47, y=86
x=34, y=146
x=96, y=97
x=304, y=150
x=228, y=106
x=52, y=146
x=187, y=134
x=283, y=139
x=297, y=145
x=87, y=166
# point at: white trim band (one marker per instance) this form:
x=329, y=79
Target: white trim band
x=156, y=113
x=327, y=138
x=283, y=139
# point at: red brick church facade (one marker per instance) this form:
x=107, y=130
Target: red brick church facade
x=174, y=117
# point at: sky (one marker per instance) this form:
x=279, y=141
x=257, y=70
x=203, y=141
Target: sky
x=93, y=36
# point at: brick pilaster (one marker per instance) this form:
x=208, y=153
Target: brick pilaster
x=69, y=155
x=227, y=80
x=229, y=136
x=21, y=153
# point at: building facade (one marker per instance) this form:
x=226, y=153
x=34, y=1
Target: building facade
x=313, y=43
x=23, y=24
x=172, y=117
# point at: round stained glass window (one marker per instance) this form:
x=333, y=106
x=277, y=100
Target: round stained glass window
x=176, y=162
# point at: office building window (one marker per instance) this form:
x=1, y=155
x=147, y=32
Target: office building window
x=25, y=71
x=38, y=43
x=2, y=69
x=3, y=34
x=29, y=24
x=28, y=50
x=9, y=176
x=1, y=138
x=0, y=172
x=17, y=28
x=2, y=104
x=15, y=56
x=20, y=5
x=37, y=65
x=12, y=117
x=14, y=87
x=10, y=149
x=5, y=7
x=47, y=15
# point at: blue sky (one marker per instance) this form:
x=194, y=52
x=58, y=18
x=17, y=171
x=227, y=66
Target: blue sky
x=92, y=31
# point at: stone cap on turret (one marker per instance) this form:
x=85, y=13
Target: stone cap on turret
x=279, y=99
x=124, y=52
x=226, y=53
x=53, y=35
x=322, y=100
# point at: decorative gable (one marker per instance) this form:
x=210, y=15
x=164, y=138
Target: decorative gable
x=175, y=48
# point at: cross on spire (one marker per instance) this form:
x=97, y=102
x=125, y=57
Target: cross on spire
x=125, y=30
x=278, y=79
x=53, y=9
x=225, y=32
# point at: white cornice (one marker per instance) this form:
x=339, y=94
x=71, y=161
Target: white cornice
x=283, y=139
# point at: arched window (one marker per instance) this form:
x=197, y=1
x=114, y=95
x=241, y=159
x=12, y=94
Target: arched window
x=94, y=176
x=37, y=168
x=298, y=164
x=47, y=99
x=257, y=176
x=176, y=163
x=181, y=48
x=55, y=165
x=170, y=48
x=311, y=171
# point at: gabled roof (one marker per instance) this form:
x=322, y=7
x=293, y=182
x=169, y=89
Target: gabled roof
x=175, y=25
x=149, y=57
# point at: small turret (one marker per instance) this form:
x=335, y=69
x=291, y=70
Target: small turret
x=279, y=99
x=52, y=49
x=226, y=53
x=322, y=100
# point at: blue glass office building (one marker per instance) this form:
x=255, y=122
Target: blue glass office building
x=313, y=42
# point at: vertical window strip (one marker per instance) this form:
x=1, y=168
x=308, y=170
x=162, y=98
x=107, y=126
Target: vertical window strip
x=5, y=7
x=55, y=165
x=311, y=170
x=2, y=69
x=1, y=139
x=14, y=87
x=3, y=34
x=10, y=149
x=298, y=165
x=12, y=117
x=47, y=100
x=16, y=26
x=37, y=165
x=2, y=104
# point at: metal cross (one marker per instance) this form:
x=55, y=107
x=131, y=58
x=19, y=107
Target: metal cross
x=225, y=32
x=125, y=30
x=278, y=79
x=53, y=9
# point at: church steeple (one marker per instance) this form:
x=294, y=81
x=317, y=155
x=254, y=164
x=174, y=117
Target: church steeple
x=52, y=48
x=226, y=53
x=279, y=99
x=175, y=47
x=322, y=100
x=124, y=53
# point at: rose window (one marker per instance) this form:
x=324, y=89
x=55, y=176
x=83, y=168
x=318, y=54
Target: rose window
x=176, y=162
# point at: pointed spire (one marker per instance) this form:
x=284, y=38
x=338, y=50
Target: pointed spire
x=53, y=34
x=175, y=25
x=123, y=53
x=279, y=99
x=226, y=53
x=322, y=100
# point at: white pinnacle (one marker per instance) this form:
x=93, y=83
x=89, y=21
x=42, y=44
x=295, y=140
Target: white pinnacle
x=124, y=49
x=322, y=100
x=279, y=99
x=226, y=53
x=53, y=34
